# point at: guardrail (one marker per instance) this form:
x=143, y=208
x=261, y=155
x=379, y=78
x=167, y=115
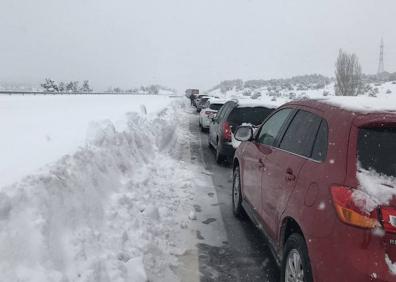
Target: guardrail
x=77, y=93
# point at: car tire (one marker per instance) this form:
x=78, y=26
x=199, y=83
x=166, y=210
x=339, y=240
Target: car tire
x=295, y=261
x=237, y=208
x=209, y=143
x=219, y=156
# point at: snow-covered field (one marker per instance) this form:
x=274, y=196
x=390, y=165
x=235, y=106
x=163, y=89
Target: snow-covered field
x=37, y=130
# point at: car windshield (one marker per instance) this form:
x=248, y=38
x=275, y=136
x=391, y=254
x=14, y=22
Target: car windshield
x=215, y=107
x=376, y=150
x=203, y=101
x=252, y=115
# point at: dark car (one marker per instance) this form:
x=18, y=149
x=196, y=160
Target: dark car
x=319, y=180
x=192, y=94
x=202, y=103
x=196, y=99
x=233, y=114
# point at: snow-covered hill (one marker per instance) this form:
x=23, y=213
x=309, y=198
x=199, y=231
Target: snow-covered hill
x=283, y=90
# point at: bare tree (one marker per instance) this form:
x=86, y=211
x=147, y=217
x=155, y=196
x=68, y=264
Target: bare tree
x=75, y=86
x=49, y=85
x=85, y=87
x=69, y=87
x=348, y=75
x=62, y=86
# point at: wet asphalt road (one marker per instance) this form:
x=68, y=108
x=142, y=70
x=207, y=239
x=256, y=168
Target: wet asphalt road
x=245, y=256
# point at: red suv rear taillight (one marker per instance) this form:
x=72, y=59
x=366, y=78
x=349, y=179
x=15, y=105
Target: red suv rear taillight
x=226, y=132
x=348, y=212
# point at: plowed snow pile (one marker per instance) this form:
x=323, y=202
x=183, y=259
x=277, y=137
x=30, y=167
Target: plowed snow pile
x=38, y=129
x=112, y=211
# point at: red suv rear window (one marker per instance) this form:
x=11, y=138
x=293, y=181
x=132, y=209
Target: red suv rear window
x=377, y=150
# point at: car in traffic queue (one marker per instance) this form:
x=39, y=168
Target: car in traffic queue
x=231, y=115
x=209, y=111
x=202, y=102
x=196, y=99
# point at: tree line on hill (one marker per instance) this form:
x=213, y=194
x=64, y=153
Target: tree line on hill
x=50, y=86
x=302, y=82
x=150, y=90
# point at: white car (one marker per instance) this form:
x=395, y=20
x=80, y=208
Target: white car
x=209, y=111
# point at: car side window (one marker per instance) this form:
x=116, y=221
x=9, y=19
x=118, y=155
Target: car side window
x=228, y=111
x=301, y=133
x=319, y=152
x=220, y=112
x=272, y=127
x=224, y=110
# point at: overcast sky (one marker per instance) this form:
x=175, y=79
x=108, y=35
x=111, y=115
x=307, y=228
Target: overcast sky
x=188, y=43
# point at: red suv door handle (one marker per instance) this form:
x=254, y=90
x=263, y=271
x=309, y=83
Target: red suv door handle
x=261, y=163
x=290, y=175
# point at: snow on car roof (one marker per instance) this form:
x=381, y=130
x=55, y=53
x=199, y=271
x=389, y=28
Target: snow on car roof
x=201, y=96
x=217, y=101
x=362, y=104
x=267, y=103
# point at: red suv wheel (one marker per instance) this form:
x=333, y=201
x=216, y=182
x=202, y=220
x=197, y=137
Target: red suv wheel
x=295, y=263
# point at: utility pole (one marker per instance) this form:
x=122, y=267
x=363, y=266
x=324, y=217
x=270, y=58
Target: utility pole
x=381, y=68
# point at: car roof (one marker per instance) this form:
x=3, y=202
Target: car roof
x=355, y=104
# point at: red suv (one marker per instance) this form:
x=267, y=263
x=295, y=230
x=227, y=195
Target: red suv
x=318, y=179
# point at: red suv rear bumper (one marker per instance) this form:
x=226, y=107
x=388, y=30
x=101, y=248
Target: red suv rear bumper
x=349, y=254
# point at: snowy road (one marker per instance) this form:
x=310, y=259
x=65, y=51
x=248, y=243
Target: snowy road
x=243, y=254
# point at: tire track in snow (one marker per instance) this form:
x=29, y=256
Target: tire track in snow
x=204, y=206
x=244, y=256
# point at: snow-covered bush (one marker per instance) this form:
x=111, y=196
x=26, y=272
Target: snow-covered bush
x=256, y=95
x=247, y=92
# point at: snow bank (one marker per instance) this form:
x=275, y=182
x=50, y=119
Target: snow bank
x=39, y=129
x=109, y=212
x=375, y=189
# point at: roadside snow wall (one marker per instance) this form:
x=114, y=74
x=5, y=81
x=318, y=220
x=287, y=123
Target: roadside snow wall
x=103, y=213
